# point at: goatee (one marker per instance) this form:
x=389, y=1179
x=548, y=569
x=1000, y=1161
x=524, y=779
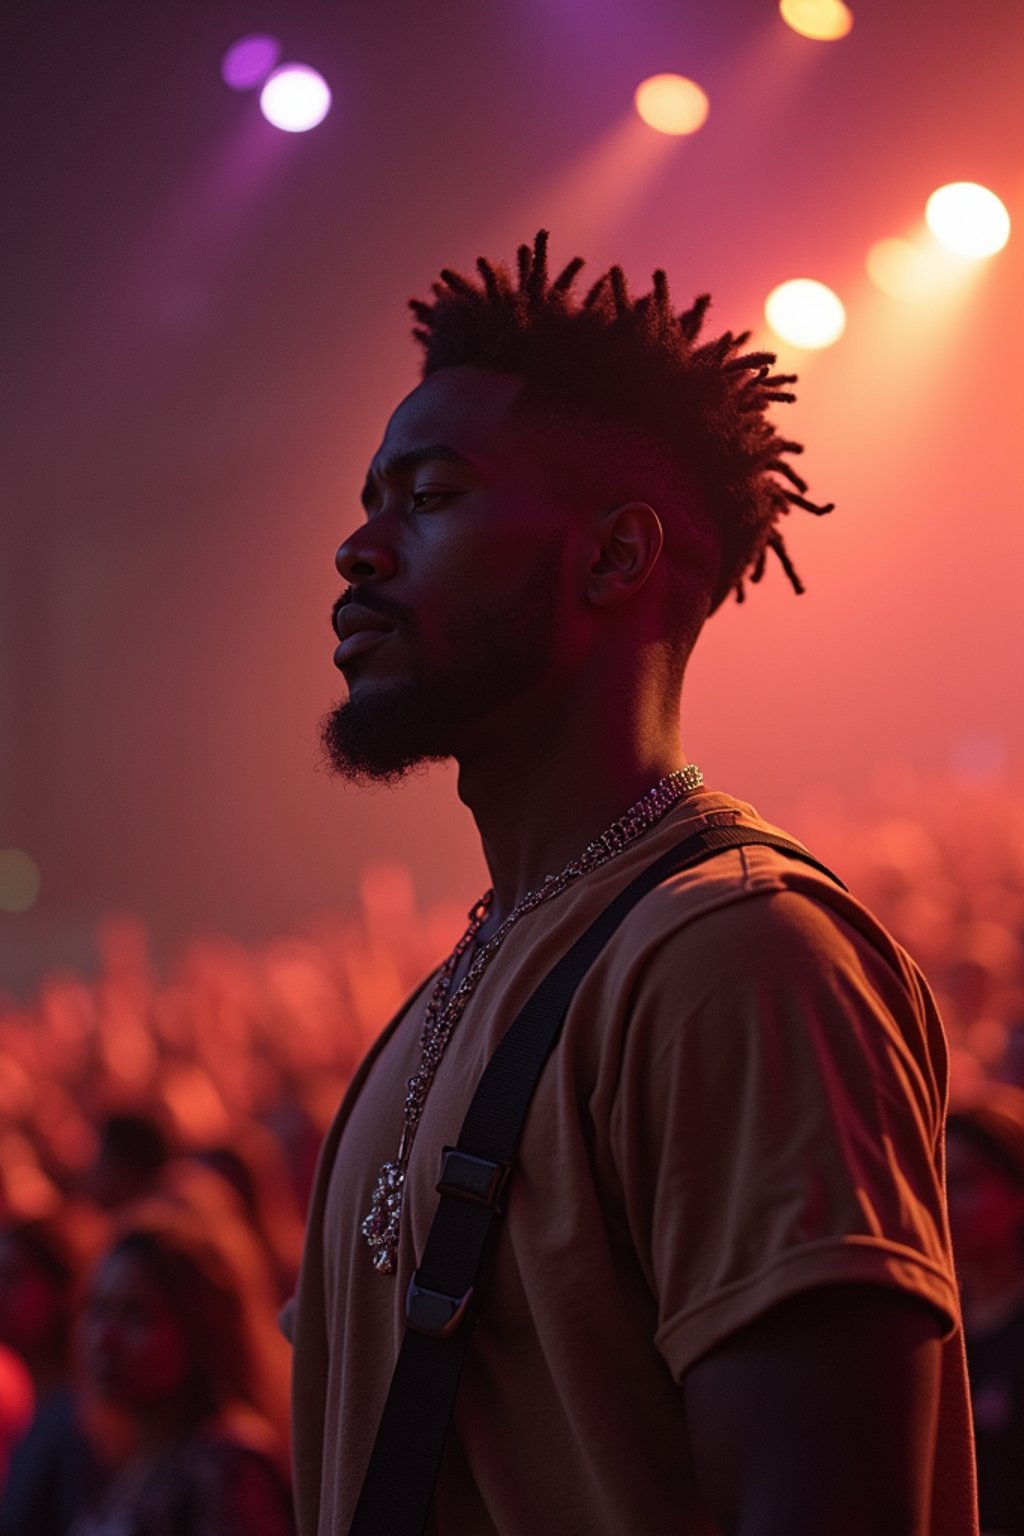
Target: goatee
x=381, y=738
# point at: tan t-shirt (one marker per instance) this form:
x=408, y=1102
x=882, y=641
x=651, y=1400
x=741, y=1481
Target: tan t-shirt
x=746, y=1101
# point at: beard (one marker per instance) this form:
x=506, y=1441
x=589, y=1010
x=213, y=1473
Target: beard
x=382, y=736
x=496, y=653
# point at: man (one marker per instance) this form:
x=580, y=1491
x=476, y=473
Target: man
x=721, y=1297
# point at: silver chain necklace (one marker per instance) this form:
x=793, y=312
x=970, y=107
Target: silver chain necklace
x=380, y=1227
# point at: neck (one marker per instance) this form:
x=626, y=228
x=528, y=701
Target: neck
x=539, y=798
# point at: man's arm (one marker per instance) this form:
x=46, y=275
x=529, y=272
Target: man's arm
x=819, y=1418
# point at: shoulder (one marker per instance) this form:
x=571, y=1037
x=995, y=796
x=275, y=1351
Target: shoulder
x=753, y=955
x=743, y=907
x=784, y=947
x=748, y=934
x=751, y=916
x=239, y=1438
x=712, y=877
x=242, y=1482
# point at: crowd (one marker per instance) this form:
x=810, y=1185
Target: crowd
x=158, y=1137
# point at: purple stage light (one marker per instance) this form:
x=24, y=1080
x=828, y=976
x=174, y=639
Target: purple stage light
x=295, y=98
x=249, y=61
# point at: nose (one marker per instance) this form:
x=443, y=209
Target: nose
x=365, y=556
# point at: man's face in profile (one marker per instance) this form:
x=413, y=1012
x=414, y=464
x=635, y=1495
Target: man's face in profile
x=454, y=617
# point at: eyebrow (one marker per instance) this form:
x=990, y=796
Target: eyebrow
x=405, y=463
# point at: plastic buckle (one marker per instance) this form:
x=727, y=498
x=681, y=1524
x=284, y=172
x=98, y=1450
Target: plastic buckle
x=433, y=1313
x=476, y=1179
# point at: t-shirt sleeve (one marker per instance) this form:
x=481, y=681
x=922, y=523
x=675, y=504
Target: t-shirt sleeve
x=777, y=1122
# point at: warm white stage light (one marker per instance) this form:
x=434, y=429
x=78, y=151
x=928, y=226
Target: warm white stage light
x=805, y=313
x=824, y=20
x=295, y=98
x=672, y=104
x=968, y=219
x=905, y=270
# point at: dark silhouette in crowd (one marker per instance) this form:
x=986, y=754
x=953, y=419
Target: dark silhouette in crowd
x=254, y=1166
x=131, y=1156
x=177, y=1346
x=17, y=1400
x=42, y=1262
x=986, y=1198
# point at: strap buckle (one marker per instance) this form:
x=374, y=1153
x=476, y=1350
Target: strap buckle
x=433, y=1313
x=476, y=1179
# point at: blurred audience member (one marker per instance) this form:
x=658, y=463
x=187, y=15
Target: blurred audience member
x=17, y=1401
x=986, y=1201
x=132, y=1152
x=41, y=1265
x=177, y=1341
x=254, y=1165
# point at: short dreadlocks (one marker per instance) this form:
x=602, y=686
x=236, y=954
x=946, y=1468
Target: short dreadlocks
x=639, y=361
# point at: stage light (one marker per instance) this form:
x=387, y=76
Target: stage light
x=805, y=313
x=295, y=98
x=249, y=61
x=904, y=270
x=672, y=104
x=19, y=880
x=824, y=20
x=967, y=219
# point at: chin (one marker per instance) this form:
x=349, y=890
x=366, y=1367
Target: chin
x=380, y=738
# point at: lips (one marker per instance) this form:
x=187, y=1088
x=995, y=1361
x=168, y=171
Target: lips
x=358, y=630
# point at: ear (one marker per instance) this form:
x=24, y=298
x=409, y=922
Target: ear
x=627, y=545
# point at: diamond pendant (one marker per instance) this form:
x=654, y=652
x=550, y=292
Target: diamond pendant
x=380, y=1226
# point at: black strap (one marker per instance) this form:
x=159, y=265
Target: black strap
x=440, y=1305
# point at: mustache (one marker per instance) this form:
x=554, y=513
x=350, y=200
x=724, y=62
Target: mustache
x=366, y=597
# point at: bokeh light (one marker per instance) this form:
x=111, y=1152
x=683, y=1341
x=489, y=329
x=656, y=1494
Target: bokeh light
x=295, y=98
x=249, y=61
x=672, y=104
x=805, y=313
x=906, y=270
x=19, y=880
x=968, y=219
x=824, y=20
x=979, y=759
